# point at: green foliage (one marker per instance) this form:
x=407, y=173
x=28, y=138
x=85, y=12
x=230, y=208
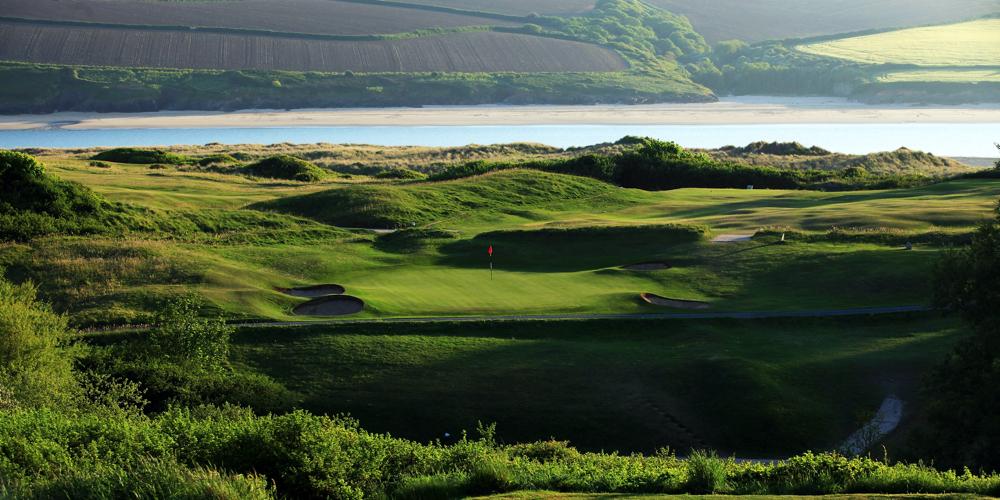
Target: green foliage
x=141, y=156
x=964, y=392
x=35, y=361
x=286, y=167
x=706, y=472
x=147, y=478
x=182, y=336
x=174, y=454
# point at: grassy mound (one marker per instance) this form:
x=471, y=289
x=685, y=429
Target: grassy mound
x=501, y=193
x=286, y=167
x=141, y=156
x=34, y=203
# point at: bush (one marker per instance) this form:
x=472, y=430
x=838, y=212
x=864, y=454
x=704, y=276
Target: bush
x=141, y=156
x=286, y=167
x=218, y=159
x=100, y=164
x=181, y=336
x=147, y=478
x=706, y=473
x=36, y=364
x=400, y=173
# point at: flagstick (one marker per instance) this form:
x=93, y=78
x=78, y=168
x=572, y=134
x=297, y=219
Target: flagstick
x=491, y=269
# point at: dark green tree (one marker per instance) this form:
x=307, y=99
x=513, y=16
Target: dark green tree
x=964, y=391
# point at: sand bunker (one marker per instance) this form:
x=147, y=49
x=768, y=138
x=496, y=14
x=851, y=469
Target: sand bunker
x=647, y=266
x=333, y=305
x=314, y=291
x=656, y=300
x=732, y=238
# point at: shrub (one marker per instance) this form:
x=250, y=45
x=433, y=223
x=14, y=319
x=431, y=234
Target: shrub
x=286, y=167
x=706, y=472
x=181, y=336
x=218, y=159
x=141, y=156
x=36, y=365
x=400, y=173
x=100, y=164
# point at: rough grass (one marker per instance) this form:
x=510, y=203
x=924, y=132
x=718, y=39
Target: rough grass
x=971, y=43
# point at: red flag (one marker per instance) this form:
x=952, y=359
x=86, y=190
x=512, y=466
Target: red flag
x=490, y=250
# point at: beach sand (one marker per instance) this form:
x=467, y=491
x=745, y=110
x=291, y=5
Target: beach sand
x=735, y=111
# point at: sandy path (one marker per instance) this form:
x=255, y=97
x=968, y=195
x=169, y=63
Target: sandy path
x=886, y=420
x=732, y=111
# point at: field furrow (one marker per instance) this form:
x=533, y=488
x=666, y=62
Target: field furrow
x=299, y=16
x=460, y=52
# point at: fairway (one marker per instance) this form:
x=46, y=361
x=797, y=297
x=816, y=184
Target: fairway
x=972, y=43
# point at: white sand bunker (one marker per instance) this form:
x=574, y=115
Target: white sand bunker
x=314, y=291
x=647, y=266
x=732, y=238
x=656, y=300
x=331, y=305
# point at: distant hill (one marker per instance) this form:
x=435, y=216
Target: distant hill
x=759, y=20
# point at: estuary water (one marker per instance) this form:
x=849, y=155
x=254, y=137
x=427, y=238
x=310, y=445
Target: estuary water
x=946, y=139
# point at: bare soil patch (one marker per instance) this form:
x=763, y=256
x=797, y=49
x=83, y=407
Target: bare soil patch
x=331, y=305
x=313, y=291
x=656, y=300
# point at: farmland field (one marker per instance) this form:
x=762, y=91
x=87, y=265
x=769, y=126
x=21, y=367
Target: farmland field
x=294, y=16
x=460, y=52
x=515, y=7
x=972, y=43
x=930, y=75
x=758, y=20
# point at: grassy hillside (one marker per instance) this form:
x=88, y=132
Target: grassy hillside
x=635, y=386
x=760, y=20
